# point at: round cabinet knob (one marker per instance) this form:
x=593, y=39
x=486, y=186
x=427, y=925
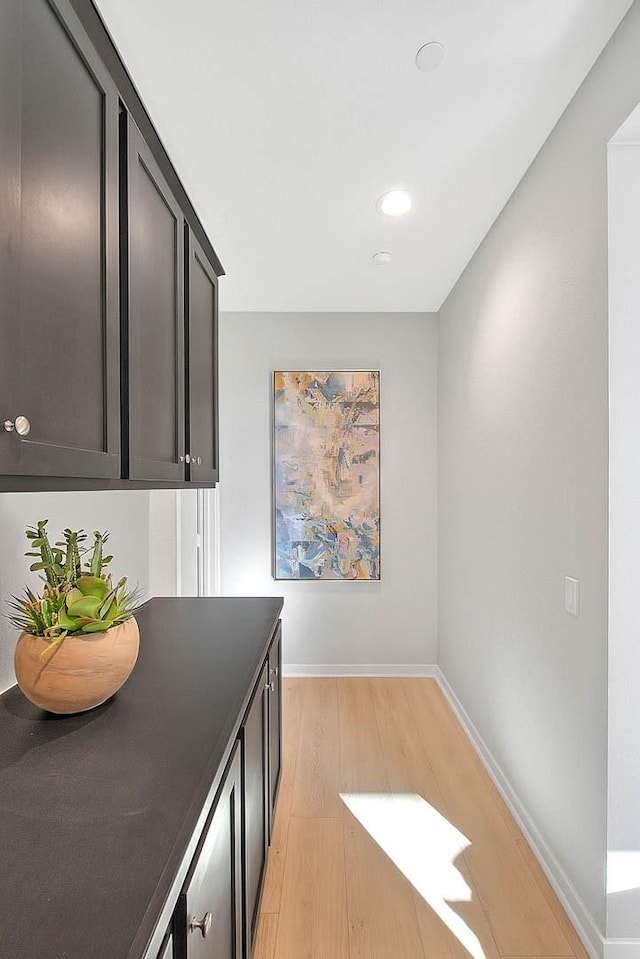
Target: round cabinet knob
x=270, y=687
x=204, y=924
x=274, y=671
x=199, y=460
x=21, y=425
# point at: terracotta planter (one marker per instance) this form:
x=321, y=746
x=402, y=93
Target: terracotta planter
x=83, y=672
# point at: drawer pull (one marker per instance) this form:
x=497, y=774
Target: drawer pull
x=204, y=924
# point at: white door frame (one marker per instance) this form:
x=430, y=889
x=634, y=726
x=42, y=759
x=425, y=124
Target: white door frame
x=197, y=516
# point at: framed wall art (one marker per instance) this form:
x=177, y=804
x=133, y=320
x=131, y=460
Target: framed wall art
x=326, y=475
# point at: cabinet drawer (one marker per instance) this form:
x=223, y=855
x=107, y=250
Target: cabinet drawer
x=212, y=897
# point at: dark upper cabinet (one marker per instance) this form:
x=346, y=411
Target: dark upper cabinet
x=202, y=368
x=10, y=137
x=156, y=310
x=108, y=302
x=59, y=310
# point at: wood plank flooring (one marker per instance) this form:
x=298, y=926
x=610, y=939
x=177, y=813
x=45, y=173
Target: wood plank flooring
x=421, y=859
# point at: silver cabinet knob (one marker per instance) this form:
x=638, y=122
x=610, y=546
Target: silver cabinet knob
x=21, y=425
x=185, y=459
x=274, y=671
x=199, y=460
x=270, y=687
x=204, y=924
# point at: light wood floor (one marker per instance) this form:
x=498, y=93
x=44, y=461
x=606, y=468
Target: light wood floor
x=331, y=890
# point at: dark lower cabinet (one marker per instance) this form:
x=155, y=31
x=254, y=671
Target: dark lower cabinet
x=181, y=834
x=274, y=664
x=261, y=761
x=210, y=909
x=218, y=912
x=255, y=818
x=59, y=257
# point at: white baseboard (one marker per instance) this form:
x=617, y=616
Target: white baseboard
x=575, y=908
x=359, y=669
x=622, y=949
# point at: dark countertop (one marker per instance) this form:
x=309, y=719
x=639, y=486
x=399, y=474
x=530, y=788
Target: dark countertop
x=97, y=810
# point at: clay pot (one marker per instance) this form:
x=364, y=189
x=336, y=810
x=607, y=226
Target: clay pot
x=83, y=672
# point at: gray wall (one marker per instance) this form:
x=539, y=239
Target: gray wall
x=623, y=901
x=523, y=476
x=393, y=621
x=124, y=513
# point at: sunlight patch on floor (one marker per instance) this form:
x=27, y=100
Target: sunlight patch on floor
x=423, y=845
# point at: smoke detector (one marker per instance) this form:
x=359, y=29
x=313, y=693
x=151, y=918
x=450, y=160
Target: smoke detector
x=429, y=56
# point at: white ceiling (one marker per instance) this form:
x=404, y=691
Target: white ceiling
x=286, y=119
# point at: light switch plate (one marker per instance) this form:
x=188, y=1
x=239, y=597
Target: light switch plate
x=572, y=595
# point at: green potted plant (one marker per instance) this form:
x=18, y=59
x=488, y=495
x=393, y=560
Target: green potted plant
x=79, y=639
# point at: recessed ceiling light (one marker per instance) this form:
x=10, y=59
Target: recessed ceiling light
x=394, y=203
x=430, y=56
x=382, y=258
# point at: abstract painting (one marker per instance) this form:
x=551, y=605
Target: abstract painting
x=327, y=475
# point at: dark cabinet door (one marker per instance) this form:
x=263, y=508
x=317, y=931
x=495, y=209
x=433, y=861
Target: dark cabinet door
x=59, y=329
x=155, y=320
x=275, y=722
x=211, y=905
x=10, y=138
x=254, y=807
x=274, y=665
x=202, y=369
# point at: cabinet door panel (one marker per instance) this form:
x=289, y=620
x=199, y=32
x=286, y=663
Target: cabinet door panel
x=156, y=320
x=213, y=893
x=203, y=364
x=63, y=278
x=275, y=722
x=10, y=136
x=255, y=822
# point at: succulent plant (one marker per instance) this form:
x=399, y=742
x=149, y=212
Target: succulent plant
x=93, y=605
x=74, y=601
